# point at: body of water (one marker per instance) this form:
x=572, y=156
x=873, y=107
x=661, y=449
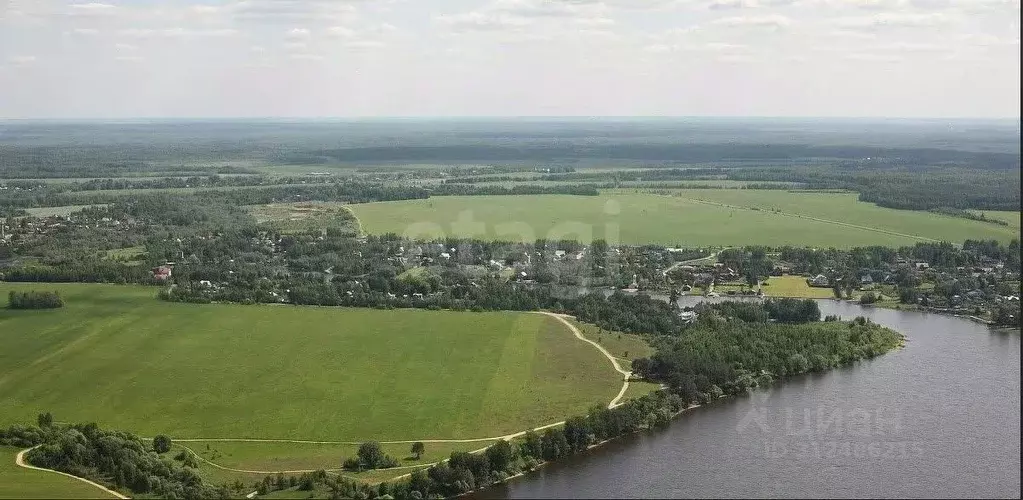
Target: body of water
x=939, y=418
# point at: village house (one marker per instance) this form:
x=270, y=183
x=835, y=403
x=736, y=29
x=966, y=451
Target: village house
x=162, y=273
x=820, y=281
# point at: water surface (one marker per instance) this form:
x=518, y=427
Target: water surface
x=940, y=418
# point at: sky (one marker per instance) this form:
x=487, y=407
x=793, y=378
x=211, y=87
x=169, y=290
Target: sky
x=422, y=58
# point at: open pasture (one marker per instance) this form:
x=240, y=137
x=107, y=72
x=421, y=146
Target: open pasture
x=687, y=218
x=117, y=356
x=21, y=483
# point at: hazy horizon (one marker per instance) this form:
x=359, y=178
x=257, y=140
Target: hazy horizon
x=1007, y=120
x=101, y=59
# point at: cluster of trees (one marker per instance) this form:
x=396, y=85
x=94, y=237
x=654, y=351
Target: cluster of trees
x=732, y=348
x=1006, y=314
x=34, y=300
x=792, y=310
x=627, y=313
x=370, y=456
x=966, y=214
x=117, y=459
x=464, y=472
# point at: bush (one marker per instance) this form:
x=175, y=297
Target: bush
x=34, y=300
x=161, y=444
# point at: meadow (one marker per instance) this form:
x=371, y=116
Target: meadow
x=686, y=218
x=1010, y=218
x=794, y=286
x=299, y=217
x=117, y=356
x=21, y=483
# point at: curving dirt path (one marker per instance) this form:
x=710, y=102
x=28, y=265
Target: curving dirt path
x=579, y=335
x=19, y=460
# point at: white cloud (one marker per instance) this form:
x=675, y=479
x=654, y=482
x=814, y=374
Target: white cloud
x=712, y=47
x=92, y=9
x=517, y=15
x=177, y=33
x=889, y=20
x=481, y=21
x=19, y=60
x=548, y=8
x=84, y=32
x=206, y=10
x=872, y=57
x=298, y=34
x=596, y=22
x=364, y=44
x=909, y=47
x=766, y=21
x=342, y=31
x=292, y=11
x=734, y=58
x=306, y=57
x=732, y=4
x=986, y=40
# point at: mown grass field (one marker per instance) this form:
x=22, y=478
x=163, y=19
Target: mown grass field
x=21, y=483
x=794, y=286
x=117, y=356
x=687, y=218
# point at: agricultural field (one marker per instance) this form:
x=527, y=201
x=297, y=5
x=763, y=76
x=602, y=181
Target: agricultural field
x=117, y=356
x=21, y=483
x=686, y=218
x=845, y=208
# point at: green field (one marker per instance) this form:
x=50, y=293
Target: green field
x=687, y=218
x=19, y=482
x=61, y=211
x=1012, y=218
x=624, y=346
x=794, y=286
x=298, y=217
x=117, y=356
x=289, y=458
